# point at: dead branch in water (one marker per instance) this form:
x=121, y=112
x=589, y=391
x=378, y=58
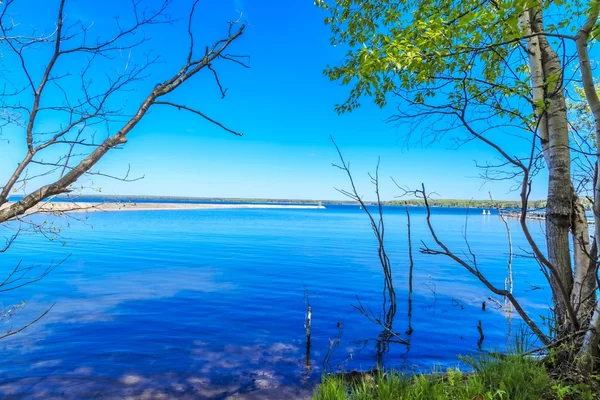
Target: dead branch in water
x=378, y=225
x=386, y=320
x=307, y=327
x=474, y=269
x=410, y=271
x=508, y=282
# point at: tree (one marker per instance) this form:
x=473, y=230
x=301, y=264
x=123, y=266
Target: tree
x=583, y=136
x=64, y=99
x=483, y=70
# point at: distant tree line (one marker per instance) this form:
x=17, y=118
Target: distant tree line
x=532, y=204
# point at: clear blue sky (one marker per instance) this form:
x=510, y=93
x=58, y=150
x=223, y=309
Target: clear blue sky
x=283, y=104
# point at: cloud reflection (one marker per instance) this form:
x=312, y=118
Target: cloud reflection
x=220, y=377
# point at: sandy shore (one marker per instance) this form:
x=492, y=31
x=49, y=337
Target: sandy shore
x=95, y=207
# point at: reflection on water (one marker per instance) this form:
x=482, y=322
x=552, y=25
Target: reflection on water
x=211, y=303
x=234, y=372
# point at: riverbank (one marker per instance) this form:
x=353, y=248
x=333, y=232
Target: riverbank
x=506, y=377
x=64, y=206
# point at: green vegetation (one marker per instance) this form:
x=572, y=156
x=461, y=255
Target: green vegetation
x=537, y=204
x=508, y=378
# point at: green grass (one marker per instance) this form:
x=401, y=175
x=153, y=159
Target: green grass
x=508, y=378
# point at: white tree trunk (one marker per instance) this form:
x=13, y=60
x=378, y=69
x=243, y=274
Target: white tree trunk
x=589, y=350
x=554, y=137
x=583, y=295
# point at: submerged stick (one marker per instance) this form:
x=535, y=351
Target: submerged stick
x=307, y=326
x=410, y=272
x=481, y=335
x=508, y=282
x=308, y=323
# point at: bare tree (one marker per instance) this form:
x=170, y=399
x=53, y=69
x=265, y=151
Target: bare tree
x=72, y=109
x=385, y=319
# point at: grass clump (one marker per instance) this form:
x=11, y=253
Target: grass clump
x=510, y=377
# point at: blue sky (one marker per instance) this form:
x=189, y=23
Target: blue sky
x=283, y=104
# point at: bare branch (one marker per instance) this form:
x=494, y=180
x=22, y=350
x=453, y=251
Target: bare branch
x=474, y=271
x=21, y=329
x=182, y=107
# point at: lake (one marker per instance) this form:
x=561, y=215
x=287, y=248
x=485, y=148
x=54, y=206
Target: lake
x=211, y=303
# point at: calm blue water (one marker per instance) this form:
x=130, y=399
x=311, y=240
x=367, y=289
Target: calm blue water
x=211, y=304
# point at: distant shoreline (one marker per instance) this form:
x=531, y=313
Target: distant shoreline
x=412, y=202
x=65, y=206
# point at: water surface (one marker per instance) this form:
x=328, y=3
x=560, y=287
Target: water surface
x=211, y=303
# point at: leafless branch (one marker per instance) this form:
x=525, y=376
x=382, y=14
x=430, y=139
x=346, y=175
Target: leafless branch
x=182, y=107
x=445, y=251
x=21, y=329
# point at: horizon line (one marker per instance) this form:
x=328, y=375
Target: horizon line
x=216, y=198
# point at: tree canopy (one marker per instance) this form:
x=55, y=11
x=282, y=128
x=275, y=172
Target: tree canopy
x=418, y=49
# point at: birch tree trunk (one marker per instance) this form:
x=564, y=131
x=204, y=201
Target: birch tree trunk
x=548, y=94
x=589, y=351
x=583, y=295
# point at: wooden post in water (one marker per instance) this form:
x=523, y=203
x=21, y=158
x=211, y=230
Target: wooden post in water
x=308, y=323
x=481, y=335
x=307, y=326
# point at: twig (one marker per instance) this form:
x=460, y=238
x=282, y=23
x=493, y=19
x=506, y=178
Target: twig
x=21, y=329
